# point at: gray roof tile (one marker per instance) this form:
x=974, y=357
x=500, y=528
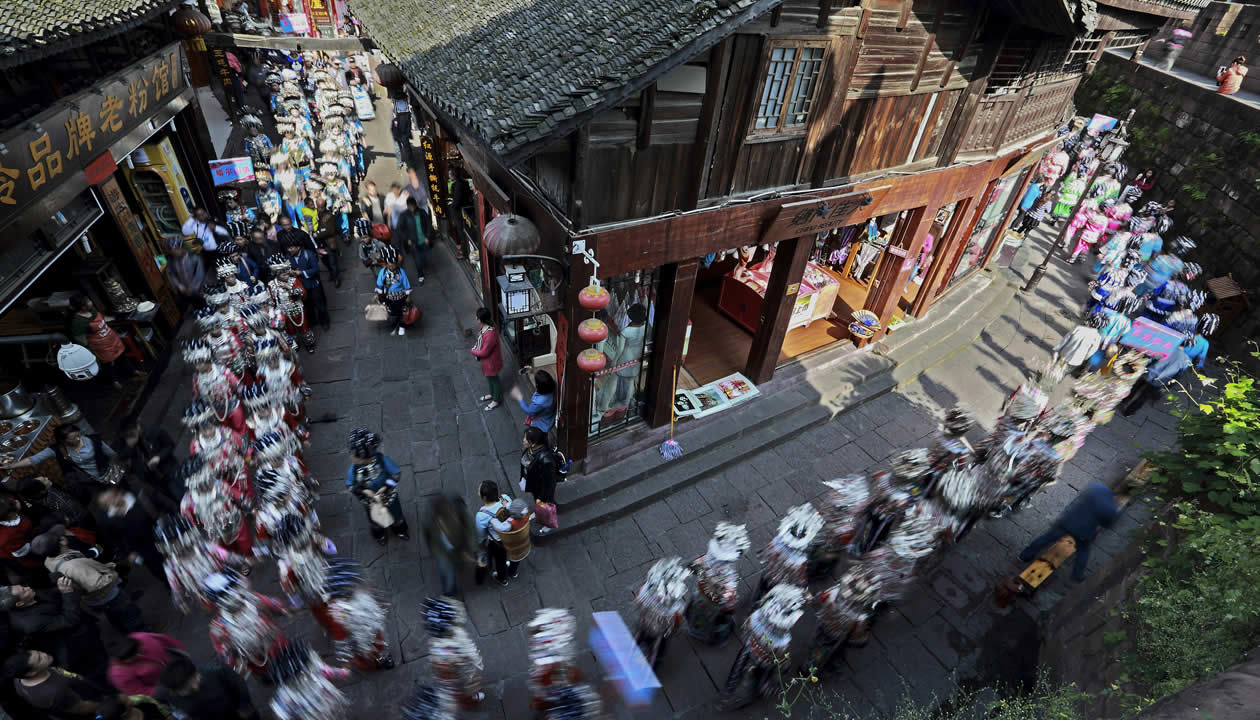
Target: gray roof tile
x=514, y=71
x=36, y=25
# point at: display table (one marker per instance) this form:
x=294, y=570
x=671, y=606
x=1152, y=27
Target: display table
x=741, y=297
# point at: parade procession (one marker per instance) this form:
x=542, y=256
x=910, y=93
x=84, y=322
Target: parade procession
x=560, y=360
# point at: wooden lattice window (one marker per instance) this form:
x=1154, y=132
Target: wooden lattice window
x=789, y=87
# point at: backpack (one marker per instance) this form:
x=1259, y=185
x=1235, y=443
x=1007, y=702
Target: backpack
x=91, y=576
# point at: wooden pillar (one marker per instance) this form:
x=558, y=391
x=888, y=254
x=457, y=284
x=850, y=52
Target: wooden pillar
x=673, y=311
x=959, y=226
x=776, y=308
x=575, y=405
x=965, y=109
x=897, y=261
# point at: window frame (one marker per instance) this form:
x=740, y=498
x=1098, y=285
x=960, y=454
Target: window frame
x=800, y=44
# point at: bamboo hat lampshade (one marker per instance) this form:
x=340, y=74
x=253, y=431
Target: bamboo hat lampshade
x=510, y=234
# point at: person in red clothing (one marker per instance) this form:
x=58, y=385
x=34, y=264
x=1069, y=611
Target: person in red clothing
x=1230, y=80
x=88, y=328
x=16, y=532
x=487, y=351
x=136, y=661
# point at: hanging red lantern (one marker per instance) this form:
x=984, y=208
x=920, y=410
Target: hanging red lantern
x=190, y=22
x=594, y=297
x=592, y=330
x=591, y=360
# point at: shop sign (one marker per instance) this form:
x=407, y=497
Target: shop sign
x=223, y=69
x=1152, y=338
x=1101, y=123
x=53, y=146
x=294, y=23
x=810, y=217
x=431, y=168
x=100, y=169
x=130, y=226
x=230, y=170
x=320, y=12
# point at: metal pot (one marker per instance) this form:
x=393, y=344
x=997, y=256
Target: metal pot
x=14, y=400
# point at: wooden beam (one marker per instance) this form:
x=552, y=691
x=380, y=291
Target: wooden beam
x=717, y=69
x=575, y=403
x=776, y=310
x=1098, y=52
x=824, y=12
x=977, y=22
x=904, y=20
x=776, y=15
x=673, y=310
x=927, y=46
x=577, y=173
x=863, y=23
x=647, y=105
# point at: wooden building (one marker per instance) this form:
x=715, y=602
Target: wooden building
x=741, y=175
x=103, y=153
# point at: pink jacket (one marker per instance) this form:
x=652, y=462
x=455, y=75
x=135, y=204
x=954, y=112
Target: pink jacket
x=487, y=350
x=138, y=675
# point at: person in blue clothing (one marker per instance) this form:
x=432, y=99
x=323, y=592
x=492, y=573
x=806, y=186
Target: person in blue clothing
x=540, y=408
x=393, y=289
x=1197, y=347
x=1095, y=507
x=373, y=478
x=306, y=264
x=492, y=519
x=1158, y=376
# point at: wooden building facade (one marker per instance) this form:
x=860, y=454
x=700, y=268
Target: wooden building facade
x=747, y=185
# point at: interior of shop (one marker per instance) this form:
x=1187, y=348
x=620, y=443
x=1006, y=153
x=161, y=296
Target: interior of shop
x=94, y=258
x=933, y=248
x=730, y=287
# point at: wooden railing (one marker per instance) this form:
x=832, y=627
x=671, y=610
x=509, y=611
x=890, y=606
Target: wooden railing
x=1002, y=120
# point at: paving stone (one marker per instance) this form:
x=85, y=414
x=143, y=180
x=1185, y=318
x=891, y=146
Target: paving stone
x=780, y=496
x=688, y=504
x=656, y=519
x=949, y=592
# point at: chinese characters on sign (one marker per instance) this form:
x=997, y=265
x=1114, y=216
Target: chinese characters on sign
x=230, y=170
x=810, y=217
x=222, y=68
x=432, y=170
x=59, y=143
x=319, y=12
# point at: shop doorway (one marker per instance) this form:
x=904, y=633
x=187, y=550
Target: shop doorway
x=619, y=391
x=936, y=249
x=997, y=202
x=726, y=309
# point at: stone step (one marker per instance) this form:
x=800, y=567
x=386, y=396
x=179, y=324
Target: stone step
x=809, y=395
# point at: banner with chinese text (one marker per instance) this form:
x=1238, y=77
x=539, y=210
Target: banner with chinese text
x=57, y=144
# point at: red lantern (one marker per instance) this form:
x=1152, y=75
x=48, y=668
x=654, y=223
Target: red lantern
x=190, y=22
x=593, y=297
x=592, y=330
x=591, y=360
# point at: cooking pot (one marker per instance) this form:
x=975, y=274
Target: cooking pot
x=14, y=400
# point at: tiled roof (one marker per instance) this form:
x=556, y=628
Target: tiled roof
x=31, y=28
x=519, y=72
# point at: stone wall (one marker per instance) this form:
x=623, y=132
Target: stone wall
x=1205, y=148
x=1222, y=32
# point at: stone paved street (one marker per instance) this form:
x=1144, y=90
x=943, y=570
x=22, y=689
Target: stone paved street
x=420, y=391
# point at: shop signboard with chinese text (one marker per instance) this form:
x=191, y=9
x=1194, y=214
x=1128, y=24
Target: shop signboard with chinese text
x=810, y=217
x=130, y=226
x=321, y=14
x=231, y=170
x=61, y=142
x=434, y=172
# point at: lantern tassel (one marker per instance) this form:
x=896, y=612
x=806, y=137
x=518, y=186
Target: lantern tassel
x=670, y=449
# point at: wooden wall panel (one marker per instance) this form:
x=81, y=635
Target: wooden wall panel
x=626, y=183
x=891, y=53
x=800, y=17
x=768, y=164
x=876, y=133
x=735, y=113
x=935, y=129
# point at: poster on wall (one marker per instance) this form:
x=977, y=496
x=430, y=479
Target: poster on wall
x=294, y=23
x=363, y=106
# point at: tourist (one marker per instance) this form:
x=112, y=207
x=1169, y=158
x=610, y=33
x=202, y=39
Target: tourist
x=202, y=228
x=51, y=621
x=491, y=520
x=60, y=693
x=306, y=266
x=126, y=523
x=185, y=271
x=138, y=659
x=1095, y=507
x=1230, y=79
x=210, y=692
x=370, y=203
x=450, y=537
x=540, y=409
x=487, y=351
x=149, y=456
x=99, y=584
x=540, y=471
x=395, y=205
x=412, y=236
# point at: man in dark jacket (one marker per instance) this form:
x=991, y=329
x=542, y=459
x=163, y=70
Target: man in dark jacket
x=51, y=621
x=540, y=468
x=149, y=456
x=204, y=693
x=329, y=234
x=259, y=250
x=1095, y=507
x=306, y=264
x=126, y=520
x=411, y=233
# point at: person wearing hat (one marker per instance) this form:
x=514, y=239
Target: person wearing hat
x=257, y=145
x=98, y=582
x=185, y=271
x=373, y=478
x=393, y=289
